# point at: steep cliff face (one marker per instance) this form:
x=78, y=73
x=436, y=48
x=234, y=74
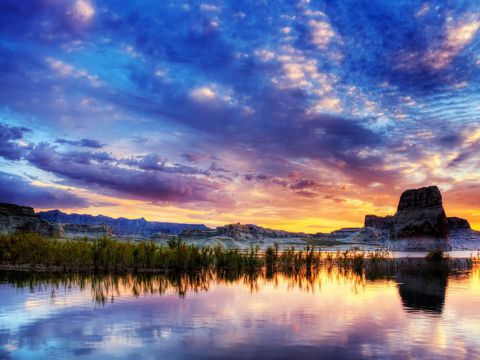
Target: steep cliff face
x=15, y=218
x=420, y=213
x=121, y=226
x=378, y=222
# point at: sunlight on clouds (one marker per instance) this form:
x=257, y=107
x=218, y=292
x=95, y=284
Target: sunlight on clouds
x=328, y=105
x=84, y=10
x=203, y=93
x=66, y=70
x=462, y=35
x=440, y=53
x=457, y=37
x=264, y=55
x=215, y=93
x=473, y=135
x=322, y=33
x=434, y=164
x=296, y=72
x=300, y=71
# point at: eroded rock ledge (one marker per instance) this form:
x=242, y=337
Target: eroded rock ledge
x=16, y=218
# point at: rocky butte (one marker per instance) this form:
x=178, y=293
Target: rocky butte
x=420, y=214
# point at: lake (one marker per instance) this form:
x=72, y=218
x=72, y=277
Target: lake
x=333, y=313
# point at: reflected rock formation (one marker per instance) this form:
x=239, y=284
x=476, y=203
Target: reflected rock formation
x=422, y=292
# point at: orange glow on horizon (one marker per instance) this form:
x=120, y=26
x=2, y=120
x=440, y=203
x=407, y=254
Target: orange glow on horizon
x=296, y=215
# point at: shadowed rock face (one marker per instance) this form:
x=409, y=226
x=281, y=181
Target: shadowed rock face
x=379, y=222
x=422, y=198
x=15, y=218
x=456, y=223
x=420, y=213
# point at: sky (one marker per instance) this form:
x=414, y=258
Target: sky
x=299, y=115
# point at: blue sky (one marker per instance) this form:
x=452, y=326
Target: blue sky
x=294, y=114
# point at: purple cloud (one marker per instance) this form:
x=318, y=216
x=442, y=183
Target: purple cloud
x=89, y=143
x=305, y=184
x=108, y=177
x=16, y=190
x=156, y=162
x=196, y=157
x=9, y=148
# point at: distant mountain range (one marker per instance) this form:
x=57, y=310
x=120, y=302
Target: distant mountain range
x=120, y=226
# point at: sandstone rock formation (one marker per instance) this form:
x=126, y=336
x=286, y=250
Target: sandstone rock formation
x=370, y=234
x=420, y=213
x=15, y=218
x=378, y=222
x=240, y=232
x=456, y=223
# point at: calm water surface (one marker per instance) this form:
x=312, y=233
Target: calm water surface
x=331, y=314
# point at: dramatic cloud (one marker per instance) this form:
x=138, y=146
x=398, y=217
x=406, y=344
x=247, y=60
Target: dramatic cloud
x=219, y=103
x=16, y=190
x=9, y=146
x=155, y=162
x=95, y=170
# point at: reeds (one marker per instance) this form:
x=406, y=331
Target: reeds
x=36, y=253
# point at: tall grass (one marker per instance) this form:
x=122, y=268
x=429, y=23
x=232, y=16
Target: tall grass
x=34, y=252
x=106, y=255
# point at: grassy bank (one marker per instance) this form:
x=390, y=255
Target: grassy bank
x=33, y=252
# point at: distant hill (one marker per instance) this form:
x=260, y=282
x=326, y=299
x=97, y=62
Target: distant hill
x=239, y=231
x=120, y=226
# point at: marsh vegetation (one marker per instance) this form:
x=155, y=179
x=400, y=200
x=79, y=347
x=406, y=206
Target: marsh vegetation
x=33, y=252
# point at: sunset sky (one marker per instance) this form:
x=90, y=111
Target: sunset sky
x=299, y=115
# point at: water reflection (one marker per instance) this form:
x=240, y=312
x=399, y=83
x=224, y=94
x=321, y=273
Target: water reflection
x=334, y=311
x=106, y=288
x=422, y=292
x=418, y=291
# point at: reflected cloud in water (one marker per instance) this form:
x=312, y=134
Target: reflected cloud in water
x=333, y=312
